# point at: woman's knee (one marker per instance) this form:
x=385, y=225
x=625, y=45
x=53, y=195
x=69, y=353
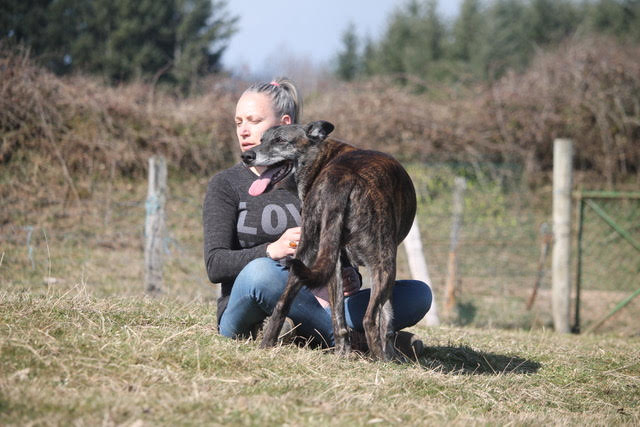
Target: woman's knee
x=261, y=275
x=414, y=296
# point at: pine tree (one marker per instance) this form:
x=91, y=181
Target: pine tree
x=349, y=63
x=122, y=39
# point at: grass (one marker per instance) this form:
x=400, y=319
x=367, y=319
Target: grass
x=81, y=344
x=71, y=358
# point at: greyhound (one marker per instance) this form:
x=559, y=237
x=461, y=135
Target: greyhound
x=357, y=207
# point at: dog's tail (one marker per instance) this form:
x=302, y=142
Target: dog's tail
x=331, y=229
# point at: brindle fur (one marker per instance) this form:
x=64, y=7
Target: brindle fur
x=357, y=206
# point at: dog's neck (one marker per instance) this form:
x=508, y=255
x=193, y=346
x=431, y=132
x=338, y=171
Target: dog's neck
x=309, y=167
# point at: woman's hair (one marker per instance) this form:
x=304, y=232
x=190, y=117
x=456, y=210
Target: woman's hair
x=284, y=95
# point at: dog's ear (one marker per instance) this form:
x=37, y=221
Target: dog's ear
x=318, y=130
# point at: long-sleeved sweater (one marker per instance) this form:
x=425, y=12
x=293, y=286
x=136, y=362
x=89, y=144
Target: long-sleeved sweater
x=238, y=227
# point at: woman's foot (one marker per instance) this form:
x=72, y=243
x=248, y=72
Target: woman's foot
x=286, y=335
x=408, y=344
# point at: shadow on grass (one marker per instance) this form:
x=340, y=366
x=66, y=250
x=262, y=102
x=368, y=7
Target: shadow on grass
x=466, y=361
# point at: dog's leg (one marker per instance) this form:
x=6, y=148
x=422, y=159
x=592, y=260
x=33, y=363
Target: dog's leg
x=386, y=331
x=376, y=323
x=336, y=296
x=280, y=311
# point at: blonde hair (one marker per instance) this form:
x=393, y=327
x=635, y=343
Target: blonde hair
x=285, y=97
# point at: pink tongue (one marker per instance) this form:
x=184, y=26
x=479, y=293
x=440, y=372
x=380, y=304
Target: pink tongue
x=260, y=184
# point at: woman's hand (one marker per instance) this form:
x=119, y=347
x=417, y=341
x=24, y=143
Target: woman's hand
x=351, y=282
x=286, y=245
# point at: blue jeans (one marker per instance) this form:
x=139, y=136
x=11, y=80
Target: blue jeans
x=259, y=285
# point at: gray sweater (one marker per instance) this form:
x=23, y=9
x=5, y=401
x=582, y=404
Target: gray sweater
x=238, y=227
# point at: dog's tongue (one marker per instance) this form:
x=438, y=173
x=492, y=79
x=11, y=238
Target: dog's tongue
x=260, y=184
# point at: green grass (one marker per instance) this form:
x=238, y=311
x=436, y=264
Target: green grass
x=70, y=358
x=90, y=348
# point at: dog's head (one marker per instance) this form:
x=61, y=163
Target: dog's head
x=282, y=149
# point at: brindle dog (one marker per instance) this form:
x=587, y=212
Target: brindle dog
x=357, y=205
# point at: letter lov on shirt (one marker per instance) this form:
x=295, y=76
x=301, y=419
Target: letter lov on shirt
x=272, y=221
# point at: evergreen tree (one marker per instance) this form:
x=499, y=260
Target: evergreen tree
x=507, y=43
x=466, y=30
x=620, y=18
x=551, y=21
x=122, y=39
x=349, y=61
x=413, y=42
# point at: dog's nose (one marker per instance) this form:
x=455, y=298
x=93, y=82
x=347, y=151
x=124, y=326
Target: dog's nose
x=248, y=156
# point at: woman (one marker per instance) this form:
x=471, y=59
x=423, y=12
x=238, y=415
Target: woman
x=246, y=236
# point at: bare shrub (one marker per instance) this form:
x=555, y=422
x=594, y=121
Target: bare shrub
x=89, y=127
x=588, y=90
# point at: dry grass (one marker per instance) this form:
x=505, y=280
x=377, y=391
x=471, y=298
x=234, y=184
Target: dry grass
x=71, y=358
x=80, y=343
x=90, y=348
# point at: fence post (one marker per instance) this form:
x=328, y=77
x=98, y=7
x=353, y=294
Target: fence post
x=456, y=224
x=418, y=268
x=155, y=224
x=561, y=256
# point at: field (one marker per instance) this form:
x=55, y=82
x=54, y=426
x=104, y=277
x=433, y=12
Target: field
x=70, y=358
x=81, y=344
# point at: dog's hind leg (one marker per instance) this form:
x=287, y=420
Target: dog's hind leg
x=280, y=311
x=386, y=329
x=336, y=296
x=378, y=317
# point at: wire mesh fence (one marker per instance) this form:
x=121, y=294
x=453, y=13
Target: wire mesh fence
x=99, y=244
x=608, y=258
x=498, y=246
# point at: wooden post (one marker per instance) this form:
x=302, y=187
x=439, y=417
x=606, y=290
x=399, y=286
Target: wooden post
x=561, y=262
x=155, y=224
x=418, y=268
x=456, y=224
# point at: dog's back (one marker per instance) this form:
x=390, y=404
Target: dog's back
x=360, y=200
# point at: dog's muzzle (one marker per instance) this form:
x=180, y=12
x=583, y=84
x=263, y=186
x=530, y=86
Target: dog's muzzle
x=248, y=157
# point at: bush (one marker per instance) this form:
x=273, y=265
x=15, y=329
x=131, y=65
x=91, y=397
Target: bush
x=75, y=127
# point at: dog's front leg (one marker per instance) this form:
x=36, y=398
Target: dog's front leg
x=280, y=311
x=336, y=296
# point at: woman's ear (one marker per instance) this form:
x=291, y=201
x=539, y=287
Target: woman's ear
x=285, y=120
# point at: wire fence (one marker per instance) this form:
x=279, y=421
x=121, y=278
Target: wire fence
x=608, y=258
x=99, y=243
x=498, y=246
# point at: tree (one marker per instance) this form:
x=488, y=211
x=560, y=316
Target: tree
x=413, y=42
x=122, y=39
x=620, y=18
x=507, y=45
x=349, y=62
x=466, y=28
x=551, y=21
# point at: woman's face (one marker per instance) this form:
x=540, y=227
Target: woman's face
x=254, y=115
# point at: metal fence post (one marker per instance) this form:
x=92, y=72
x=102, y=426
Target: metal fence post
x=561, y=258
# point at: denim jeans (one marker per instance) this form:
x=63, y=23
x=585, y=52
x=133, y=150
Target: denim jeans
x=259, y=285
